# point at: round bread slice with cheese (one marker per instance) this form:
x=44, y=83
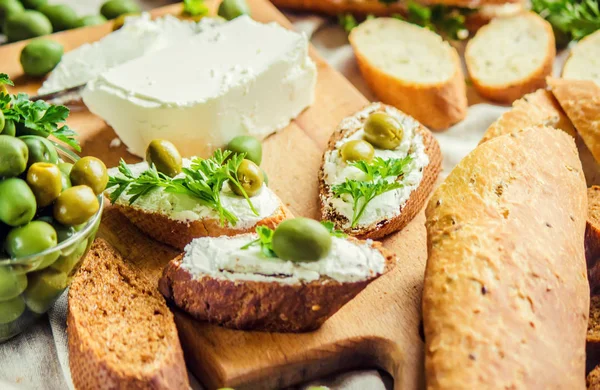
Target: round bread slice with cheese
x=584, y=61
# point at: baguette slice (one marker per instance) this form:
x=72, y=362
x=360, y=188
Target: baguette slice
x=413, y=69
x=510, y=57
x=416, y=138
x=227, y=291
x=535, y=109
x=121, y=333
x=581, y=101
x=506, y=298
x=584, y=61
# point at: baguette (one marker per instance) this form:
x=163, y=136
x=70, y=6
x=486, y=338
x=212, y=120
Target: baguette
x=510, y=57
x=584, y=61
x=535, y=109
x=506, y=298
x=121, y=333
x=413, y=69
x=390, y=217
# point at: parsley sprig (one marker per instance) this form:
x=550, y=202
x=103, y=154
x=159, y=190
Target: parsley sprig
x=4, y=79
x=375, y=183
x=575, y=18
x=195, y=7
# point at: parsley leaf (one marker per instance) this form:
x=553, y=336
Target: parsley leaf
x=330, y=226
x=195, y=7
x=347, y=21
x=576, y=18
x=4, y=79
x=264, y=240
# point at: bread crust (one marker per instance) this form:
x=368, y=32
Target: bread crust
x=592, y=238
x=592, y=347
x=410, y=209
x=436, y=105
x=506, y=299
x=261, y=305
x=509, y=92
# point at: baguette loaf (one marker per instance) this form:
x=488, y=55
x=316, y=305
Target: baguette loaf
x=121, y=333
x=535, y=109
x=506, y=298
x=584, y=61
x=413, y=69
x=510, y=57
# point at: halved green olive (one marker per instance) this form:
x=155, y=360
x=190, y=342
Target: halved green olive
x=383, y=131
x=45, y=180
x=75, y=205
x=250, y=177
x=301, y=239
x=249, y=145
x=91, y=172
x=165, y=157
x=357, y=150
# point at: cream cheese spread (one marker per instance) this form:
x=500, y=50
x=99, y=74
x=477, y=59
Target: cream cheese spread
x=244, y=78
x=139, y=36
x=223, y=258
x=186, y=208
x=388, y=204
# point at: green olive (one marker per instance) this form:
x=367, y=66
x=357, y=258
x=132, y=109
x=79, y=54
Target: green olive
x=68, y=263
x=231, y=9
x=25, y=25
x=40, y=56
x=91, y=20
x=65, y=173
x=45, y=180
x=62, y=232
x=44, y=287
x=383, y=131
x=357, y=150
x=40, y=150
x=165, y=156
x=12, y=284
x=26, y=240
x=90, y=171
x=61, y=16
x=75, y=205
x=17, y=202
x=114, y=8
x=13, y=156
x=250, y=177
x=9, y=128
x=121, y=19
x=34, y=4
x=11, y=310
x=8, y=8
x=301, y=239
x=249, y=145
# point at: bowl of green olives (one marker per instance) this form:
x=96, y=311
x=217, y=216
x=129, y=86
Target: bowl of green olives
x=50, y=209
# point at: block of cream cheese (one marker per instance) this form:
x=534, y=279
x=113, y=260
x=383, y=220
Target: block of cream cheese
x=139, y=36
x=243, y=78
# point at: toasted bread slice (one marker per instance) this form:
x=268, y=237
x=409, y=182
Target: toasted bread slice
x=417, y=140
x=584, y=61
x=581, y=101
x=510, y=57
x=535, y=109
x=412, y=69
x=121, y=332
x=217, y=281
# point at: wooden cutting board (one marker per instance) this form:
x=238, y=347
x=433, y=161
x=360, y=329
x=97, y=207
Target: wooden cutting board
x=378, y=329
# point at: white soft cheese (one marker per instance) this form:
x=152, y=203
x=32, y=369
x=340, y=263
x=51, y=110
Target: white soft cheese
x=244, y=78
x=139, y=36
x=185, y=208
x=388, y=204
x=223, y=258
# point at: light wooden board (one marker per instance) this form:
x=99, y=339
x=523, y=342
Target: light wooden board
x=379, y=328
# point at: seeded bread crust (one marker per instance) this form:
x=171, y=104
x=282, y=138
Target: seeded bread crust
x=410, y=209
x=101, y=358
x=258, y=305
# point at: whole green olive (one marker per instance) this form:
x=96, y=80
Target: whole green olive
x=9, y=128
x=45, y=181
x=11, y=283
x=62, y=232
x=91, y=20
x=25, y=25
x=13, y=156
x=75, y=205
x=165, y=157
x=61, y=16
x=250, y=177
x=35, y=237
x=44, y=287
x=8, y=8
x=40, y=149
x=17, y=202
x=40, y=56
x=65, y=173
x=34, y=4
x=249, y=145
x=383, y=131
x=114, y=8
x=90, y=171
x=231, y=9
x=11, y=310
x=357, y=150
x=301, y=239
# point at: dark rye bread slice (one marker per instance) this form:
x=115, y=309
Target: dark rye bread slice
x=417, y=198
x=261, y=305
x=121, y=333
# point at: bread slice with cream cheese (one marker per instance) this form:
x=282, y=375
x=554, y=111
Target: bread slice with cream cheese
x=390, y=211
x=584, y=61
x=215, y=280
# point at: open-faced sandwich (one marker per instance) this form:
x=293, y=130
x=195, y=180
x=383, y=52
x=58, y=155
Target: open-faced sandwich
x=378, y=169
x=288, y=280
x=174, y=200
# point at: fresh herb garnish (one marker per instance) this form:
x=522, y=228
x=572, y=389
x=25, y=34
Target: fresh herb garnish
x=330, y=226
x=195, y=7
x=4, y=79
x=575, y=18
x=347, y=21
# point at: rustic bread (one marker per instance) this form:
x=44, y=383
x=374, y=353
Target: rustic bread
x=593, y=334
x=506, y=298
x=121, y=333
x=383, y=226
x=581, y=101
x=510, y=57
x=584, y=61
x=535, y=109
x=413, y=69
x=593, y=379
x=592, y=238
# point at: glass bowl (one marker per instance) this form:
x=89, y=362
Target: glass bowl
x=30, y=285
